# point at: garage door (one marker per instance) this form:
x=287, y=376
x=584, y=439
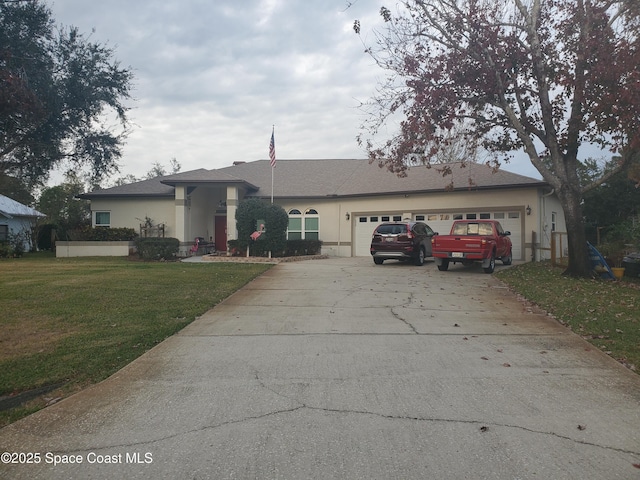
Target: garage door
x=441, y=223
x=365, y=225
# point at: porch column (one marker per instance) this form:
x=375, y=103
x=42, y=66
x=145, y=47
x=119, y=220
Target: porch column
x=181, y=213
x=232, y=206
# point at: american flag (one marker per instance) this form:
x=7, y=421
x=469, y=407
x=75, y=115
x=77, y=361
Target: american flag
x=272, y=150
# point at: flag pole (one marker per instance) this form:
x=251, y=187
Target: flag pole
x=272, y=157
x=272, y=161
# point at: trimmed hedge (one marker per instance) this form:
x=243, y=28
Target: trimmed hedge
x=154, y=248
x=293, y=248
x=302, y=247
x=103, y=234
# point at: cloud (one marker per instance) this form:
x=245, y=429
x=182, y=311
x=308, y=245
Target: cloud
x=213, y=77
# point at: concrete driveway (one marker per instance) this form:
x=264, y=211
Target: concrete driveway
x=340, y=369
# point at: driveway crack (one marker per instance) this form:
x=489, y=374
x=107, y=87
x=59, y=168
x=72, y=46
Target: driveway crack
x=403, y=320
x=482, y=426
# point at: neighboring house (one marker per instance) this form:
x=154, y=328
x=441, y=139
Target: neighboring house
x=337, y=201
x=17, y=222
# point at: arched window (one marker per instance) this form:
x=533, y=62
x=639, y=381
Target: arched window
x=294, y=230
x=303, y=226
x=311, y=224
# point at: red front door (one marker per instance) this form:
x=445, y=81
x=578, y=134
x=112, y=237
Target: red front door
x=221, y=233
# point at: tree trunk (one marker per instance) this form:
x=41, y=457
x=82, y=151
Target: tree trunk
x=579, y=262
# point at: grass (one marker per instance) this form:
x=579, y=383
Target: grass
x=603, y=312
x=69, y=323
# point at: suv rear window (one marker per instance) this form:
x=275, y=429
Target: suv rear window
x=391, y=229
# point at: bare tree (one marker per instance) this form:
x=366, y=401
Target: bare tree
x=542, y=76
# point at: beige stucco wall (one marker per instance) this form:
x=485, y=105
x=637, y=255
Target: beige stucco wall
x=130, y=213
x=337, y=232
x=94, y=249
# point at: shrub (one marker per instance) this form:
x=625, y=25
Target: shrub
x=302, y=247
x=292, y=248
x=154, y=248
x=6, y=250
x=249, y=214
x=102, y=234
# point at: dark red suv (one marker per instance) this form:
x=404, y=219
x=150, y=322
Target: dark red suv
x=401, y=241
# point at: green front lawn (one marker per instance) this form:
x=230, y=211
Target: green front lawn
x=604, y=312
x=68, y=323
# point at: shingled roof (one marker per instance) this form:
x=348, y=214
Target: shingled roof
x=346, y=178
x=327, y=178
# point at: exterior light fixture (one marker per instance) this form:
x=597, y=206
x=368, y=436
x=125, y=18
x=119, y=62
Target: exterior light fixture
x=528, y=210
x=347, y=216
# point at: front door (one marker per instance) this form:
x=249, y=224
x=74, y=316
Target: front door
x=221, y=233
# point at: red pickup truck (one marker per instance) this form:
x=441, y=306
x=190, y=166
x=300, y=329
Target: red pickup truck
x=473, y=241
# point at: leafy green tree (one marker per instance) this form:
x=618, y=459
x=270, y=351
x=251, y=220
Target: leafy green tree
x=62, y=208
x=15, y=189
x=56, y=89
x=613, y=202
x=540, y=76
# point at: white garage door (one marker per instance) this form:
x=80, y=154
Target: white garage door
x=365, y=225
x=439, y=222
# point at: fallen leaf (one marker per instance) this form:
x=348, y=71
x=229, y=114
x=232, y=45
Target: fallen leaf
x=582, y=427
x=456, y=325
x=484, y=358
x=499, y=350
x=506, y=364
x=484, y=428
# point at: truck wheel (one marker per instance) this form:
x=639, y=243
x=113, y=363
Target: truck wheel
x=445, y=266
x=506, y=260
x=419, y=261
x=492, y=264
x=378, y=261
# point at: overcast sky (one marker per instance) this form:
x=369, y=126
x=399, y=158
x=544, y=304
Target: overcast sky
x=213, y=76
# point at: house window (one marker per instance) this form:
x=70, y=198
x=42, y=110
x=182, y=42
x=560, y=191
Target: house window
x=553, y=221
x=514, y=214
x=305, y=226
x=4, y=233
x=294, y=231
x=457, y=216
x=485, y=216
x=471, y=216
x=419, y=218
x=385, y=218
x=311, y=224
x=363, y=219
x=397, y=218
x=432, y=218
x=103, y=219
x=445, y=216
x=373, y=219
x=498, y=215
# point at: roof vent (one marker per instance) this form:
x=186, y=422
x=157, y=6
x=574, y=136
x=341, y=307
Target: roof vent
x=239, y=162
